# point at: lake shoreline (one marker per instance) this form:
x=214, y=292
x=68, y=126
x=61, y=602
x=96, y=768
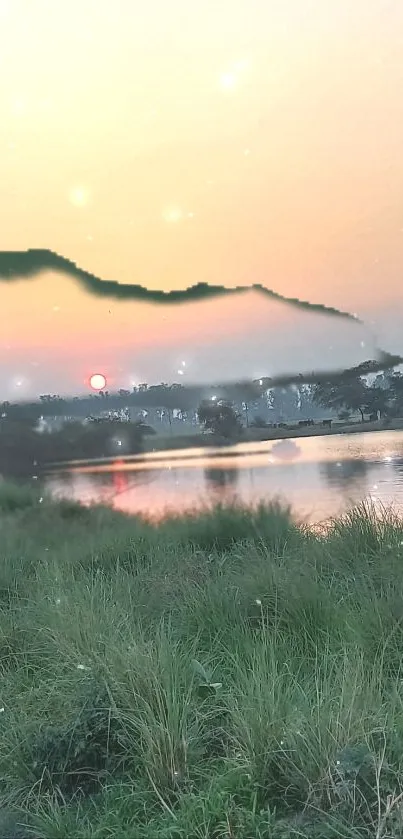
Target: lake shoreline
x=252, y=435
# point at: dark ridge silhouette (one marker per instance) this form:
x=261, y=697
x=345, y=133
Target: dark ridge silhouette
x=16, y=265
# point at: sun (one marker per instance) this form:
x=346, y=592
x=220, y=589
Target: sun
x=97, y=381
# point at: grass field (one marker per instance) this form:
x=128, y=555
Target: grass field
x=223, y=676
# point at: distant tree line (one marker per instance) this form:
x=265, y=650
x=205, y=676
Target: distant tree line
x=262, y=398
x=348, y=394
x=383, y=398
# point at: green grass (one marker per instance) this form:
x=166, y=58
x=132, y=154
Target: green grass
x=226, y=675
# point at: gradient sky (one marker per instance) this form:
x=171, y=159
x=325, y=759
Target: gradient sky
x=175, y=143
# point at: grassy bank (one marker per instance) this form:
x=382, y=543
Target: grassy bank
x=224, y=676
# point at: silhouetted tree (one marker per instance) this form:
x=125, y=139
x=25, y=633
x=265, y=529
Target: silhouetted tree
x=377, y=400
x=395, y=392
x=284, y=401
x=220, y=418
x=346, y=393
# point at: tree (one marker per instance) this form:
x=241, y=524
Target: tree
x=395, y=392
x=377, y=400
x=350, y=393
x=306, y=405
x=220, y=418
x=284, y=401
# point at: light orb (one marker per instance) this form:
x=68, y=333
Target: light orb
x=79, y=196
x=173, y=214
x=228, y=81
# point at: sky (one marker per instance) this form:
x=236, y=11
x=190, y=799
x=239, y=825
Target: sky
x=168, y=144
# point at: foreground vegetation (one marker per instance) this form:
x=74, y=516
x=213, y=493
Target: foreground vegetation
x=226, y=675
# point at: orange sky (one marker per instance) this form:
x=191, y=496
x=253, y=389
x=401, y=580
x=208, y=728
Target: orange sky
x=175, y=143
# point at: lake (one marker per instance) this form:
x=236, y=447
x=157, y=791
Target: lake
x=318, y=476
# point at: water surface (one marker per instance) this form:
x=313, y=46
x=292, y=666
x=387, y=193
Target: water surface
x=318, y=476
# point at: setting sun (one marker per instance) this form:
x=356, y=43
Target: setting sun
x=97, y=381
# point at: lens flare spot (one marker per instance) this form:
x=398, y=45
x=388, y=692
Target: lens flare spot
x=79, y=196
x=172, y=214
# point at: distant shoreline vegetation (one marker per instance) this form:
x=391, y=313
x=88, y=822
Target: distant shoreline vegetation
x=24, y=451
x=106, y=426
x=176, y=395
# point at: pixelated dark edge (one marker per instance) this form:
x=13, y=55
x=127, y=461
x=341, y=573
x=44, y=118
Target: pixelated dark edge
x=17, y=265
